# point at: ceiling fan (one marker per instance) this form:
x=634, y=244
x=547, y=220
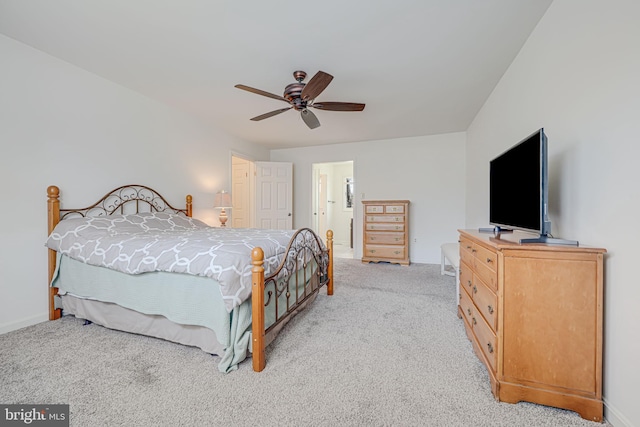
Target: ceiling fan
x=300, y=96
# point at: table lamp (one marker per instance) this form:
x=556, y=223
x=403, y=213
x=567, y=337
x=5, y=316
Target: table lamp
x=222, y=201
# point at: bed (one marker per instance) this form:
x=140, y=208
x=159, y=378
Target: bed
x=133, y=262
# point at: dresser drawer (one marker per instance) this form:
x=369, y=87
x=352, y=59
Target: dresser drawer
x=486, y=339
x=486, y=257
x=466, y=255
x=384, y=218
x=486, y=303
x=384, y=238
x=466, y=306
x=374, y=209
x=466, y=277
x=394, y=209
x=383, y=226
x=466, y=245
x=379, y=251
x=486, y=274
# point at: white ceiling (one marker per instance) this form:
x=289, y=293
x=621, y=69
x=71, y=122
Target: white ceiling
x=421, y=67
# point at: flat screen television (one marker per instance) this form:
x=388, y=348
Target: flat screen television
x=518, y=187
x=519, y=190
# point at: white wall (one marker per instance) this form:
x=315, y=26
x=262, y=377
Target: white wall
x=64, y=126
x=578, y=77
x=427, y=170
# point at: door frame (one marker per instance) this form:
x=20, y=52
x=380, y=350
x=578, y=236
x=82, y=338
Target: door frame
x=334, y=178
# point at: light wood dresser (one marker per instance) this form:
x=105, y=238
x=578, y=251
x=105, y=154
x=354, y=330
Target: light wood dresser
x=386, y=231
x=533, y=313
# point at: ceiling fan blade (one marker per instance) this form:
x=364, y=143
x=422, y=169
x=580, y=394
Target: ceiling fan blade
x=316, y=85
x=310, y=119
x=270, y=114
x=261, y=92
x=338, y=106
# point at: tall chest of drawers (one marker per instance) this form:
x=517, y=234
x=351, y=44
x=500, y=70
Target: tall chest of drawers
x=386, y=231
x=534, y=316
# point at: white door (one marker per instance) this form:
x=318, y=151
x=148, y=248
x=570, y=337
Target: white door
x=240, y=191
x=274, y=195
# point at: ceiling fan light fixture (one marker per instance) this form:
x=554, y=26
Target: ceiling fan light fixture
x=302, y=95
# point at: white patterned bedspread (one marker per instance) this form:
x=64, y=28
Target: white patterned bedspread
x=140, y=243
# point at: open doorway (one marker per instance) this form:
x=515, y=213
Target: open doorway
x=332, y=204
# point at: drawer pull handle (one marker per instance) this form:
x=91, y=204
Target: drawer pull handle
x=475, y=289
x=373, y=251
x=469, y=282
x=489, y=260
x=397, y=252
x=490, y=309
x=490, y=347
x=469, y=311
x=473, y=320
x=372, y=238
x=468, y=247
x=397, y=227
x=473, y=250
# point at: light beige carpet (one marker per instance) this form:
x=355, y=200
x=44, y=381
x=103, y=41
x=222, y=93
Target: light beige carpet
x=386, y=350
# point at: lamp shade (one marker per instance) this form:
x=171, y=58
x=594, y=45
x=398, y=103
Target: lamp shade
x=222, y=200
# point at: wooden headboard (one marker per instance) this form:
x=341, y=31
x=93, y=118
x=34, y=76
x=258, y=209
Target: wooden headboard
x=127, y=199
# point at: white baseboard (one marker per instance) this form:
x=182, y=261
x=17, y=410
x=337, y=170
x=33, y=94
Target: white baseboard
x=23, y=323
x=615, y=417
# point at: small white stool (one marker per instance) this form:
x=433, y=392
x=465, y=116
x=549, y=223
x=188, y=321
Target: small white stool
x=450, y=252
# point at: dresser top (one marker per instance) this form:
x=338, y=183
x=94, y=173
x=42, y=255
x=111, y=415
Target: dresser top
x=506, y=241
x=380, y=202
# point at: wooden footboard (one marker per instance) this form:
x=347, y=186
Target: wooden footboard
x=307, y=267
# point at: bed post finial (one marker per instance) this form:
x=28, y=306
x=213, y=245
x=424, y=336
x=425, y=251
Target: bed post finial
x=53, y=191
x=257, y=309
x=189, y=205
x=330, y=268
x=53, y=204
x=53, y=217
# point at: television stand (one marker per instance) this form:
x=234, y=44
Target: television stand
x=549, y=241
x=534, y=316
